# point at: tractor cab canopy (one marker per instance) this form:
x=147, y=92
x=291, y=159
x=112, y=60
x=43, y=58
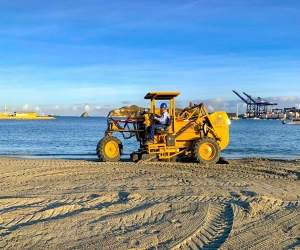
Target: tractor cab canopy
x=153, y=96
x=161, y=95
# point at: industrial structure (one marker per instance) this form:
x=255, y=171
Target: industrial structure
x=256, y=107
x=291, y=113
x=22, y=115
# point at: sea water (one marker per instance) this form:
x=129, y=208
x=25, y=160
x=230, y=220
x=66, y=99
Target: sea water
x=77, y=138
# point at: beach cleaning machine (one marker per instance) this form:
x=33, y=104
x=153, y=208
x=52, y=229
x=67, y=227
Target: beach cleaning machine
x=192, y=133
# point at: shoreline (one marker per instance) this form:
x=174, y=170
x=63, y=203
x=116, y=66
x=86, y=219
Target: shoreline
x=28, y=118
x=127, y=159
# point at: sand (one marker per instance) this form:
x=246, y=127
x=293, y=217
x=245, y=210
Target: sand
x=81, y=204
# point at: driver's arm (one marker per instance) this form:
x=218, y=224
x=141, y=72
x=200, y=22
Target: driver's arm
x=163, y=119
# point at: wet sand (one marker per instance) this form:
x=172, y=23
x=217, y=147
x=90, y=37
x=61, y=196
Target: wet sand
x=81, y=204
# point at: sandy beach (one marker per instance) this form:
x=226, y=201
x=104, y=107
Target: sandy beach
x=81, y=204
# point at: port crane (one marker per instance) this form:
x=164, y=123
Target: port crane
x=255, y=106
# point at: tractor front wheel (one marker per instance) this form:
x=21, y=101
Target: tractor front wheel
x=109, y=148
x=206, y=150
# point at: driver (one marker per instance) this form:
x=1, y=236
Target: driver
x=163, y=121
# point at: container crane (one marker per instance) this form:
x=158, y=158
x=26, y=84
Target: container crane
x=255, y=106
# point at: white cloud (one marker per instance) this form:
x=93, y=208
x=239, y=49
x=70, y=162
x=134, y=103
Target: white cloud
x=213, y=104
x=217, y=102
x=210, y=108
x=37, y=108
x=285, y=98
x=56, y=107
x=286, y=101
x=26, y=106
x=86, y=108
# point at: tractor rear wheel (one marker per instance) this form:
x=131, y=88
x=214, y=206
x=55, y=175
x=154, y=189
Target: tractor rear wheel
x=109, y=148
x=206, y=150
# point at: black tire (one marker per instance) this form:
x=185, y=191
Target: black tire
x=206, y=150
x=109, y=149
x=98, y=145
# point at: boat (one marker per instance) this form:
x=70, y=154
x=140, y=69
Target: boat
x=294, y=121
x=52, y=115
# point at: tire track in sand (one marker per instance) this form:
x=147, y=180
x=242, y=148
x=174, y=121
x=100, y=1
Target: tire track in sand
x=31, y=211
x=79, y=204
x=214, y=232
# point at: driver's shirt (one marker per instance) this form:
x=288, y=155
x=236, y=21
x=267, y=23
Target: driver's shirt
x=164, y=119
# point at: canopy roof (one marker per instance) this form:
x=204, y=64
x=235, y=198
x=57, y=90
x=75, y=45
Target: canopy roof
x=161, y=95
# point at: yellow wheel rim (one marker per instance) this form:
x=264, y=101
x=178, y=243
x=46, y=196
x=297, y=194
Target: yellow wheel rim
x=111, y=149
x=207, y=151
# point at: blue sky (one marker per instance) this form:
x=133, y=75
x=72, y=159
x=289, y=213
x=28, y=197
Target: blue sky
x=68, y=57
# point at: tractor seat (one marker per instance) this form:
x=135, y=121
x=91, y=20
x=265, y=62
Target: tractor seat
x=161, y=130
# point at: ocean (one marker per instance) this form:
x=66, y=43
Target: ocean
x=77, y=138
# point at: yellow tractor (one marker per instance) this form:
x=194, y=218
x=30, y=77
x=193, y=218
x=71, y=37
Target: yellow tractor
x=192, y=133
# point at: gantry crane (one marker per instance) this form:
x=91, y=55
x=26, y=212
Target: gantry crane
x=255, y=106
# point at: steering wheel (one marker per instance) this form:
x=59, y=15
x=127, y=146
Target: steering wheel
x=151, y=116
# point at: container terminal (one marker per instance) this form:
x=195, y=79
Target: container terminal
x=257, y=108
